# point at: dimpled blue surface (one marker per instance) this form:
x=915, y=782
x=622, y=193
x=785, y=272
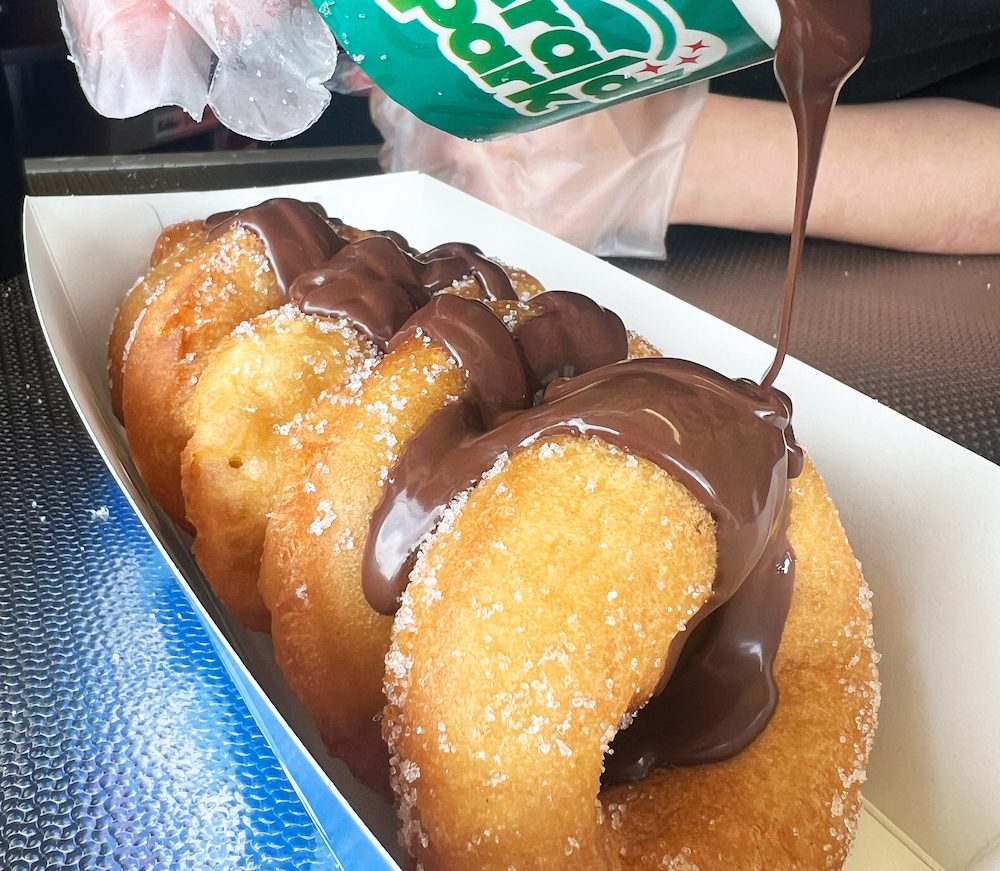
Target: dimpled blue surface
x=123, y=743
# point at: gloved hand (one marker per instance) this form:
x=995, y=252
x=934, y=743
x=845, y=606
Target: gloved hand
x=603, y=181
x=259, y=65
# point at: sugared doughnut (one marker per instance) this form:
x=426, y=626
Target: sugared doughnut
x=328, y=640
x=537, y=619
x=244, y=414
x=224, y=283
x=174, y=246
x=175, y=237
x=528, y=637
x=201, y=290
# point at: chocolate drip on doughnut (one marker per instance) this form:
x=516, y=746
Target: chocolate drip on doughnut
x=377, y=285
x=455, y=261
x=573, y=334
x=372, y=283
x=352, y=234
x=691, y=422
x=721, y=692
x=376, y=281
x=495, y=383
x=296, y=235
x=502, y=373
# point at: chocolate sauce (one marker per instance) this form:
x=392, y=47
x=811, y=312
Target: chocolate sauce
x=376, y=284
x=573, y=334
x=687, y=419
x=821, y=43
x=454, y=261
x=691, y=422
x=296, y=235
x=372, y=283
x=721, y=692
x=499, y=382
x=352, y=234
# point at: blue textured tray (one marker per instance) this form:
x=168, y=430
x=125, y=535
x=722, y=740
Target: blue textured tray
x=123, y=742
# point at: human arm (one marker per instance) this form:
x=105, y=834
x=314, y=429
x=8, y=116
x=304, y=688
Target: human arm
x=919, y=174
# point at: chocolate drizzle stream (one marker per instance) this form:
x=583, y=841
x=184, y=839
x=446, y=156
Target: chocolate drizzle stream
x=821, y=43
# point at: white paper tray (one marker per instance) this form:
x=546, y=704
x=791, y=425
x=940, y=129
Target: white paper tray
x=922, y=513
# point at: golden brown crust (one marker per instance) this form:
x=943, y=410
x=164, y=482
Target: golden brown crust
x=244, y=416
x=524, y=283
x=641, y=347
x=328, y=641
x=174, y=237
x=223, y=284
x=790, y=800
x=175, y=245
x=482, y=778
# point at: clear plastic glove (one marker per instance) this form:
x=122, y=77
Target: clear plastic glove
x=603, y=181
x=259, y=65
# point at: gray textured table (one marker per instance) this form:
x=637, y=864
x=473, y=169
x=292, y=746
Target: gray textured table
x=122, y=743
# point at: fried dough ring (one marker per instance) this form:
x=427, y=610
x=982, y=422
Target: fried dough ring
x=174, y=246
x=534, y=622
x=175, y=236
x=328, y=640
x=222, y=284
x=244, y=413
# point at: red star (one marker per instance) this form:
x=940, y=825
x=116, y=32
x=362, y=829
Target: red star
x=687, y=60
x=651, y=68
x=698, y=46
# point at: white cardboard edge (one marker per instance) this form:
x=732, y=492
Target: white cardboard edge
x=922, y=513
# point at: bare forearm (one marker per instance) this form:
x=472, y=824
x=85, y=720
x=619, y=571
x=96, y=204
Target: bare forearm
x=921, y=175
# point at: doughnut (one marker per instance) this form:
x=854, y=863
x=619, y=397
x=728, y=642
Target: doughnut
x=506, y=680
x=311, y=563
x=223, y=284
x=178, y=243
x=174, y=237
x=244, y=414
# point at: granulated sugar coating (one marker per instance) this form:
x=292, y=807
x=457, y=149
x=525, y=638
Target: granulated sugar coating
x=246, y=427
x=190, y=301
x=527, y=678
x=316, y=539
